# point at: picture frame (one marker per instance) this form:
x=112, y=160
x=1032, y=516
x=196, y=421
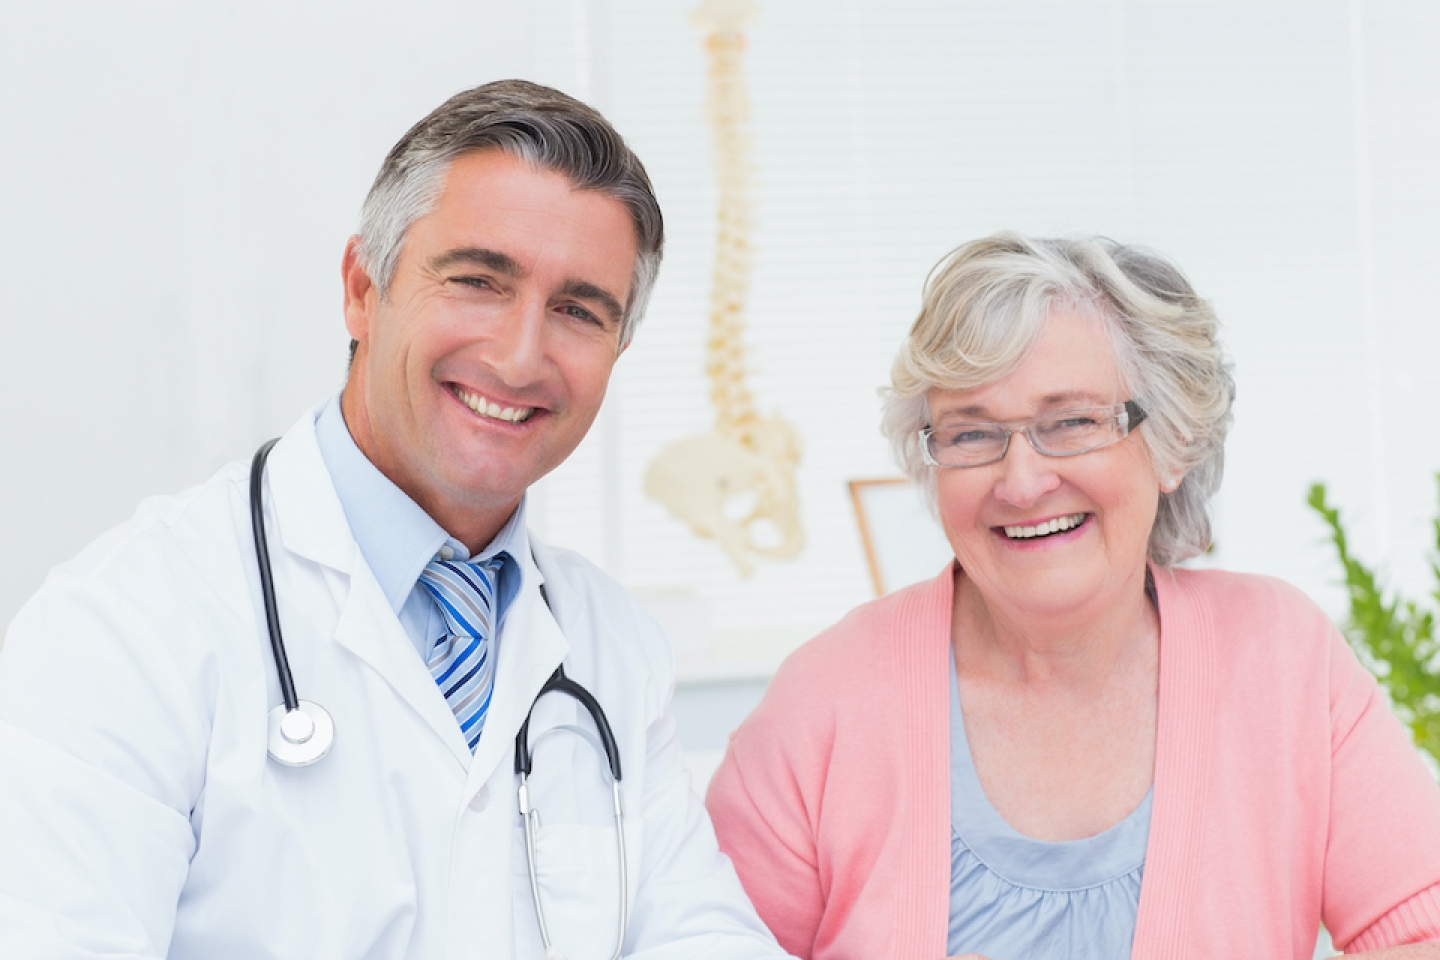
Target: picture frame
x=902, y=539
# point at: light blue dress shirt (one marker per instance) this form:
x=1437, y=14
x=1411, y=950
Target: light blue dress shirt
x=1014, y=898
x=397, y=538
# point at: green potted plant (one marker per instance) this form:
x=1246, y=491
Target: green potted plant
x=1394, y=637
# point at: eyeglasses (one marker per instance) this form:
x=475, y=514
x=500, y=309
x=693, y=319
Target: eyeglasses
x=1065, y=433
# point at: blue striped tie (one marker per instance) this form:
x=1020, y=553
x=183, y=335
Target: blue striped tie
x=460, y=661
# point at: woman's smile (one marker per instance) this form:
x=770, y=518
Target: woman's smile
x=1047, y=532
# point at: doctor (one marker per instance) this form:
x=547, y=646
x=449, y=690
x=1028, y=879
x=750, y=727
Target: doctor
x=506, y=252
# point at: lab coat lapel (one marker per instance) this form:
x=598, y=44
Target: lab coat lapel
x=531, y=646
x=312, y=525
x=369, y=628
x=306, y=508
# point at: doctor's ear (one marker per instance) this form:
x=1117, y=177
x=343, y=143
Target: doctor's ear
x=360, y=292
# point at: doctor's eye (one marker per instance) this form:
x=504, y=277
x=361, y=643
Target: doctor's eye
x=577, y=312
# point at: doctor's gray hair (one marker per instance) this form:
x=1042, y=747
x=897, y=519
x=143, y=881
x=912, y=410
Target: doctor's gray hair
x=987, y=302
x=541, y=126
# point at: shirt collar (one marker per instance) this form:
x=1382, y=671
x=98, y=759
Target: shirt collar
x=395, y=536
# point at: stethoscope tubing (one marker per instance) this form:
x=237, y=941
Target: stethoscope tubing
x=524, y=762
x=560, y=683
x=267, y=579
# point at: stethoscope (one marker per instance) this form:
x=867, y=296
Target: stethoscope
x=524, y=760
x=302, y=731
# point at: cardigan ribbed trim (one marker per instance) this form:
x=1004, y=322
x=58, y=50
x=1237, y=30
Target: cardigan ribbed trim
x=921, y=641
x=1417, y=920
x=1183, y=740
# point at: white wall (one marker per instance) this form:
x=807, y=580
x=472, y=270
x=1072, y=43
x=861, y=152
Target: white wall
x=179, y=179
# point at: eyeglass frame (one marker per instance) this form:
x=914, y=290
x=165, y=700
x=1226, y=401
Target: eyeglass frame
x=1128, y=415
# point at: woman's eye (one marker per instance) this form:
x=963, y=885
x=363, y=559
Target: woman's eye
x=966, y=435
x=1070, y=422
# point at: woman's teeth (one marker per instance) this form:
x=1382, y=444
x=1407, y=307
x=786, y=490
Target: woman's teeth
x=493, y=410
x=1046, y=528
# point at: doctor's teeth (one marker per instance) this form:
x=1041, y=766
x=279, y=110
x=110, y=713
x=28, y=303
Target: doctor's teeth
x=493, y=410
x=1045, y=529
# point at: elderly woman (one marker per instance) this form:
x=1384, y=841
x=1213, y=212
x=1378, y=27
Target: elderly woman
x=1065, y=745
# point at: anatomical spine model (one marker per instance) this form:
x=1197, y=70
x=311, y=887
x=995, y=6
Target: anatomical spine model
x=736, y=483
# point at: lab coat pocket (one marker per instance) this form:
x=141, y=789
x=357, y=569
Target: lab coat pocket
x=578, y=871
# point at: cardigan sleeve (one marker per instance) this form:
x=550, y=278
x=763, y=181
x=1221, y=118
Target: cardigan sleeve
x=758, y=807
x=834, y=797
x=1382, y=855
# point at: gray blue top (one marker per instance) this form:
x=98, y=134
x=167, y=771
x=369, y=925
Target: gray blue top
x=397, y=538
x=1014, y=898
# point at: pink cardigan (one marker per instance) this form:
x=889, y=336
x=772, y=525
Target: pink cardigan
x=1285, y=790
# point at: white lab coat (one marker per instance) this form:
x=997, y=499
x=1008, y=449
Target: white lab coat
x=140, y=816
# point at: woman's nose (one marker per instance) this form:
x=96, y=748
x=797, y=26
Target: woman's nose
x=1025, y=475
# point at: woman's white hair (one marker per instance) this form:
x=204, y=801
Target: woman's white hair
x=985, y=305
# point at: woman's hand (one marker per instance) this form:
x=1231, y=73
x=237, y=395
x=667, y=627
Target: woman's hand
x=968, y=956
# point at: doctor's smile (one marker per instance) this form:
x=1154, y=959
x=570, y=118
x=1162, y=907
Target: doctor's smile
x=489, y=409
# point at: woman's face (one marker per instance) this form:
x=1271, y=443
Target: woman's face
x=1111, y=493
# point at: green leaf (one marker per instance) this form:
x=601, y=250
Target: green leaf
x=1394, y=638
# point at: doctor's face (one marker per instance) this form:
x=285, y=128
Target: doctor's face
x=485, y=363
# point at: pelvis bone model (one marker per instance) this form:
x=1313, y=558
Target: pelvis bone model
x=736, y=483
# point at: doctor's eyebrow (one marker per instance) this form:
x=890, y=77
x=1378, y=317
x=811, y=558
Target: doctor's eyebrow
x=480, y=257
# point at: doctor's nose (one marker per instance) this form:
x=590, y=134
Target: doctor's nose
x=518, y=348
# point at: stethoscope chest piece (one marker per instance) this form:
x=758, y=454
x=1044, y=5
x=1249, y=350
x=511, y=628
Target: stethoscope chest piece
x=301, y=736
